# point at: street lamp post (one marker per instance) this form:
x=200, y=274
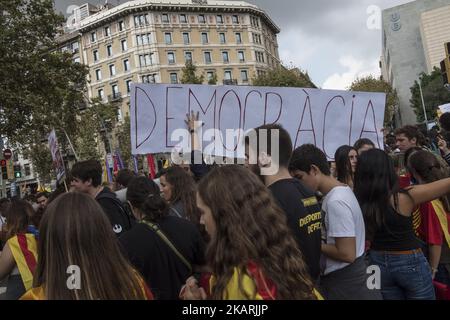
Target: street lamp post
x=423, y=104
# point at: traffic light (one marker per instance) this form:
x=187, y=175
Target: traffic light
x=3, y=164
x=17, y=172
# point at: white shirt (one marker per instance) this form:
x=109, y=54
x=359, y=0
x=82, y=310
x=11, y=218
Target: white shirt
x=343, y=219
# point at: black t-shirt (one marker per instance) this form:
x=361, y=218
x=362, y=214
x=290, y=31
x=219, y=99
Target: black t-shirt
x=304, y=219
x=115, y=211
x=163, y=271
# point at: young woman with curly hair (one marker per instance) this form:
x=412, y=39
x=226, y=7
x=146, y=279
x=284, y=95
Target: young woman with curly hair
x=252, y=253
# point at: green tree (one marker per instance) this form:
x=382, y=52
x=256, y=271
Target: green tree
x=39, y=154
x=97, y=123
x=41, y=88
x=434, y=95
x=124, y=139
x=284, y=77
x=372, y=84
x=189, y=74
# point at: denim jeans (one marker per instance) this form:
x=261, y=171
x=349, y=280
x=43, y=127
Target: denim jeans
x=404, y=276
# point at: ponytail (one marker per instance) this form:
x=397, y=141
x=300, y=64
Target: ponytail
x=144, y=194
x=154, y=207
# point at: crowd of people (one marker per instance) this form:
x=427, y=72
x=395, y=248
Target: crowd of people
x=309, y=231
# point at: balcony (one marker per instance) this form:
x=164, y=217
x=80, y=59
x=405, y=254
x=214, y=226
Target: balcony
x=115, y=97
x=230, y=82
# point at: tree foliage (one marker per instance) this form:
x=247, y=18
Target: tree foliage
x=284, y=77
x=124, y=139
x=434, y=95
x=372, y=84
x=42, y=88
x=189, y=74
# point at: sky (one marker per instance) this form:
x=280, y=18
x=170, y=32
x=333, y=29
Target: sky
x=335, y=41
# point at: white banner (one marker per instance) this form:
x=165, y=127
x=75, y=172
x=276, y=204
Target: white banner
x=325, y=118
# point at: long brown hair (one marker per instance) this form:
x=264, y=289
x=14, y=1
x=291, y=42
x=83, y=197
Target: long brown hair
x=18, y=216
x=250, y=227
x=427, y=166
x=75, y=232
x=184, y=190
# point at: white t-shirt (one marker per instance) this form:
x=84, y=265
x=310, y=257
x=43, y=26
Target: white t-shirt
x=343, y=219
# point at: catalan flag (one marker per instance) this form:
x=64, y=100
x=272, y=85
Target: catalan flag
x=24, y=251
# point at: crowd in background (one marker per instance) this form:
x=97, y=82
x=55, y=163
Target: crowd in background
x=309, y=231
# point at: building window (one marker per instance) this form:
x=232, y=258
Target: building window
x=210, y=75
x=171, y=57
x=235, y=19
x=77, y=60
x=259, y=56
x=201, y=18
x=183, y=18
x=93, y=36
x=98, y=74
x=141, y=20
x=173, y=78
x=75, y=47
x=27, y=170
x=146, y=38
x=124, y=45
x=126, y=65
x=208, y=57
x=151, y=78
x=241, y=56
x=107, y=31
x=188, y=56
x=115, y=91
x=204, y=37
x=128, y=83
x=168, y=37
x=101, y=94
x=165, y=18
x=143, y=39
x=244, y=75
x=96, y=57
x=112, y=70
x=139, y=40
x=146, y=59
x=257, y=38
x=109, y=50
x=238, y=38
x=227, y=75
x=121, y=25
x=225, y=57
x=222, y=38
x=219, y=19
x=186, y=38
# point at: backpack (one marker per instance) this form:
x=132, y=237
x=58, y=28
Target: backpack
x=124, y=208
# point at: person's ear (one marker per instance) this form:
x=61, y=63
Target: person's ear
x=314, y=170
